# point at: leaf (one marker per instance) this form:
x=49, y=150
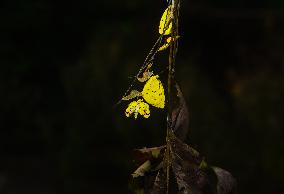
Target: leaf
x=185, y=164
x=153, y=92
x=141, y=155
x=153, y=182
x=146, y=74
x=133, y=94
x=189, y=169
x=159, y=186
x=165, y=27
x=180, y=116
x=141, y=170
x=226, y=184
x=169, y=40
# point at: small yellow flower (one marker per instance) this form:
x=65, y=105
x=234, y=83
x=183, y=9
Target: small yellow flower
x=136, y=107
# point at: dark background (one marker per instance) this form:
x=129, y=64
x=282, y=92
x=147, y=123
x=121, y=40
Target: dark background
x=65, y=64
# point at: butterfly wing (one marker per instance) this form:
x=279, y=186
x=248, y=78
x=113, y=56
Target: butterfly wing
x=153, y=92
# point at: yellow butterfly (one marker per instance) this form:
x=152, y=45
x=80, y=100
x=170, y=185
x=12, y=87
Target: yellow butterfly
x=165, y=27
x=153, y=92
x=138, y=107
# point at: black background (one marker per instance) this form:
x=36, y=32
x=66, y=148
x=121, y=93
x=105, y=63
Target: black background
x=65, y=64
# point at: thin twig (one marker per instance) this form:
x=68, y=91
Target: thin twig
x=149, y=58
x=171, y=70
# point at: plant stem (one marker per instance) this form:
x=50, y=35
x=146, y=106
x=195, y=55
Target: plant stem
x=171, y=69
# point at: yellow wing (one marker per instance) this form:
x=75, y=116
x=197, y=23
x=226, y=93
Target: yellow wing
x=165, y=27
x=153, y=92
x=136, y=107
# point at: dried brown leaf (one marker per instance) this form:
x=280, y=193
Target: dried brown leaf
x=141, y=170
x=159, y=186
x=189, y=171
x=226, y=184
x=180, y=116
x=141, y=155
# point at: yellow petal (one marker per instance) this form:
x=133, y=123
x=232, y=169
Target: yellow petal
x=153, y=92
x=165, y=27
x=130, y=109
x=138, y=107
